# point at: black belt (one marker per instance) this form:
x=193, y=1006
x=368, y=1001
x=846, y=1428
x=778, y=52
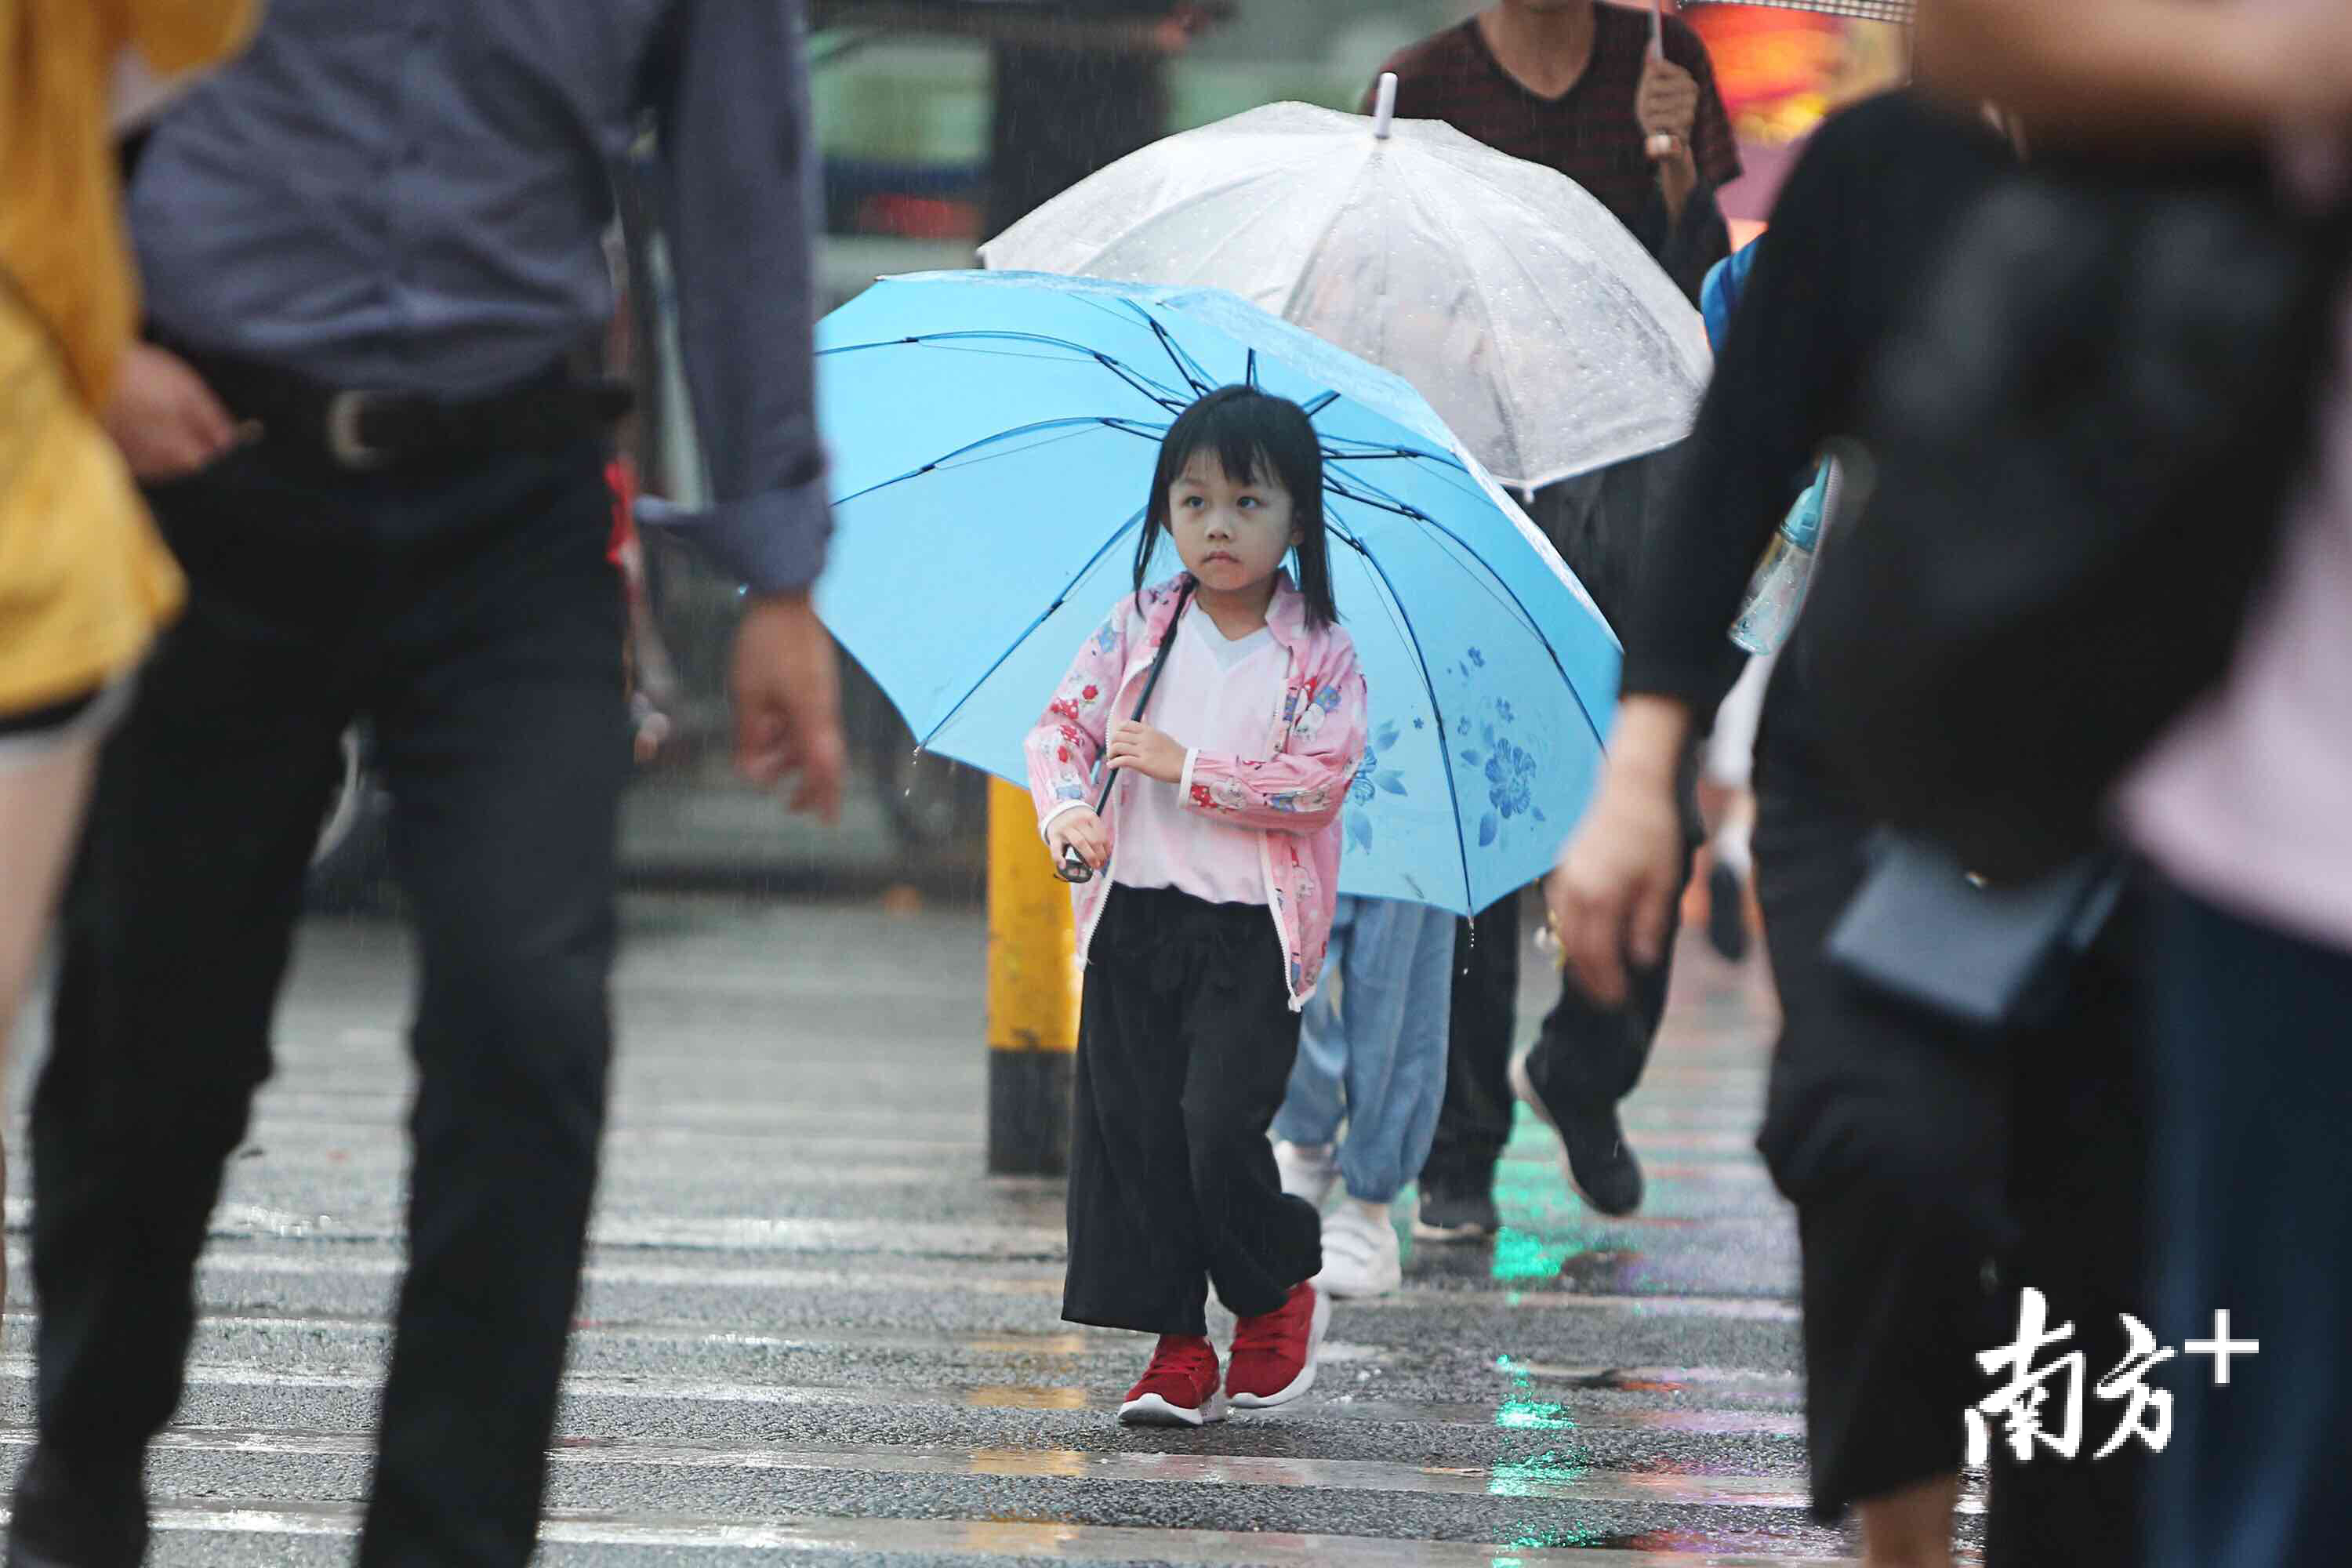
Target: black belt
x=362, y=431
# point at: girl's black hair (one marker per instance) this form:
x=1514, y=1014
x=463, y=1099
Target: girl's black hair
x=1259, y=440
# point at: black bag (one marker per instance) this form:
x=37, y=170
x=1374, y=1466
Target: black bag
x=2082, y=443
x=1924, y=932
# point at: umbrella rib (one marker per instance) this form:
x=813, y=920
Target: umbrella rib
x=944, y=458
x=1168, y=345
x=1164, y=396
x=1380, y=503
x=1042, y=616
x=1444, y=749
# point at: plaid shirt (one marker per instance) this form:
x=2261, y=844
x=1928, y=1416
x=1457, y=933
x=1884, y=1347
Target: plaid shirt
x=1589, y=132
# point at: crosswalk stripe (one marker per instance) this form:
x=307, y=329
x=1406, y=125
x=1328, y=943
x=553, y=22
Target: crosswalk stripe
x=1553, y=1480
x=1511, y=1409
x=227, y=1375
x=753, y=1233
x=1043, y=1283
x=995, y=1538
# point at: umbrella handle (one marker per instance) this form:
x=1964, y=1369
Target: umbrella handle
x=1073, y=867
x=1384, y=107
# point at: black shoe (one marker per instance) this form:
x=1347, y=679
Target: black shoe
x=69, y=1522
x=1455, y=1216
x=1601, y=1163
x=1727, y=912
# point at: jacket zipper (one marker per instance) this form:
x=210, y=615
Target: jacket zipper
x=1291, y=955
x=1119, y=705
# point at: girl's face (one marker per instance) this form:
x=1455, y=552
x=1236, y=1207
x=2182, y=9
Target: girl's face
x=1230, y=535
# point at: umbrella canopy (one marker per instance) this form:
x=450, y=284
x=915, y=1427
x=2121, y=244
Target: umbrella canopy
x=995, y=435
x=1531, y=319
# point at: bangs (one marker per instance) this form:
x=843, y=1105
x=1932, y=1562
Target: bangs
x=1237, y=442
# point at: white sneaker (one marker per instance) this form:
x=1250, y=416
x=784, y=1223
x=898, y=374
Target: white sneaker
x=1309, y=1170
x=1361, y=1256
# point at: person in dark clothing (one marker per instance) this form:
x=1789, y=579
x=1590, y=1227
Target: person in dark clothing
x=1060, y=113
x=1573, y=85
x=1934, y=1172
x=379, y=240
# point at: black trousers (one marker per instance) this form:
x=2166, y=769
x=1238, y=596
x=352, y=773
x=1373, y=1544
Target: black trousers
x=1584, y=1052
x=1599, y=523
x=2253, y=1204
x=1935, y=1172
x=471, y=616
x=1186, y=1040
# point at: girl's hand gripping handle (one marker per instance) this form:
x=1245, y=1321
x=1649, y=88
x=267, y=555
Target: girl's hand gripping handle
x=1081, y=845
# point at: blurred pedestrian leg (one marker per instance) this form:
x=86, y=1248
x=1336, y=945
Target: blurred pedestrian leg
x=2254, y=1194
x=1586, y=1056
x=492, y=676
x=43, y=781
x=84, y=582
x=1727, y=802
x=1474, y=1122
x=1936, y=1173
x=1373, y=1059
x=411, y=530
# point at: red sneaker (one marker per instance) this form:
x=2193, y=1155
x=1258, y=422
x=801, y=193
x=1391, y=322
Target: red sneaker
x=1275, y=1353
x=1179, y=1388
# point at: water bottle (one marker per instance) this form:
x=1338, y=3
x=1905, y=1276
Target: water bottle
x=1777, y=591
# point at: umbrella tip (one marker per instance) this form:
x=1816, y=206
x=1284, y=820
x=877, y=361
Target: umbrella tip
x=1384, y=105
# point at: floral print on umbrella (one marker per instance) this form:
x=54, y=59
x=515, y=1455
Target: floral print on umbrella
x=1371, y=780
x=1506, y=769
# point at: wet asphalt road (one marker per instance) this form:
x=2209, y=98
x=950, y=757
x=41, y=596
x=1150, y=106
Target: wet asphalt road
x=815, y=1333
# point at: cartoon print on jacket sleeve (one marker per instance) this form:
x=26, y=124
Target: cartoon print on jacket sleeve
x=1301, y=788
x=1067, y=741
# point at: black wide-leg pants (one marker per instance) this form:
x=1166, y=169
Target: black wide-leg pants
x=1186, y=1041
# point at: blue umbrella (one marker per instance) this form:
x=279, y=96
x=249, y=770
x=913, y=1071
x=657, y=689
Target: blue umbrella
x=993, y=436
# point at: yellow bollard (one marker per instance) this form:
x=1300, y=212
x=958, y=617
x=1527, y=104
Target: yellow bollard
x=1033, y=994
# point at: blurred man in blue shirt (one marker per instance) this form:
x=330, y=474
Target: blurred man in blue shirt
x=375, y=266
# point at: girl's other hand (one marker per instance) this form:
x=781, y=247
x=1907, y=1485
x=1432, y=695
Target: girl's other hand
x=1080, y=829
x=1136, y=747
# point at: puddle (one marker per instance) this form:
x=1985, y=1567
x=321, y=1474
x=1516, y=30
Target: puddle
x=1028, y=1462
x=1025, y=1396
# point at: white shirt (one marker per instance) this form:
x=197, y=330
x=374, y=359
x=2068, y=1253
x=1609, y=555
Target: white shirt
x=1218, y=694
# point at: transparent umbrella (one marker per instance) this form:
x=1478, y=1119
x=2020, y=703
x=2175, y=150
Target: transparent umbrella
x=1532, y=319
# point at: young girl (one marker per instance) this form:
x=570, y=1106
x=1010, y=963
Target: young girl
x=1205, y=927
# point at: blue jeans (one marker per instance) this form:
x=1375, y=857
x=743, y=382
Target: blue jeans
x=1375, y=1056
x=2254, y=1215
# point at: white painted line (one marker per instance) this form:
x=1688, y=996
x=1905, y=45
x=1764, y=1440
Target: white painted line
x=1513, y=1409
x=1738, y=1309
x=1549, y=1479
x=1044, y=1281
x=994, y=1537
x=261, y=1222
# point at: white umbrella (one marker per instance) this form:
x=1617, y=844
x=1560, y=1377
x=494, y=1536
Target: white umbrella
x=1534, y=323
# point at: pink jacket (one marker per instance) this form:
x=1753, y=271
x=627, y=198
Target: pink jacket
x=1292, y=796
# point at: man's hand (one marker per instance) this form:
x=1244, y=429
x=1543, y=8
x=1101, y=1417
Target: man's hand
x=1617, y=879
x=1136, y=747
x=788, y=703
x=1080, y=829
x=164, y=418
x=1668, y=106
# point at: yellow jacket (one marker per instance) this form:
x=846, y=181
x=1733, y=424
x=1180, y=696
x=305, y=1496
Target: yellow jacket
x=84, y=582
x=61, y=223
